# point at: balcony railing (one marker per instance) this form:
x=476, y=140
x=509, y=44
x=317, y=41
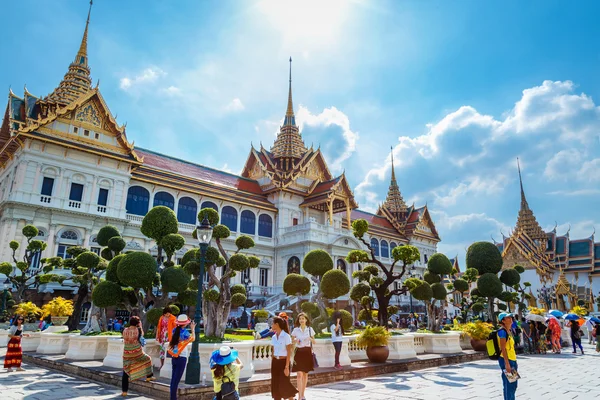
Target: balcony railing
x=102, y=209
x=45, y=199
x=74, y=204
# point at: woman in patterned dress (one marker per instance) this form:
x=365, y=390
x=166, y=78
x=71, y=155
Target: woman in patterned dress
x=14, y=352
x=136, y=364
x=556, y=330
x=164, y=330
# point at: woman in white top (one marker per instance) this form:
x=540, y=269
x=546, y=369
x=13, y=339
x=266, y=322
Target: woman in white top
x=304, y=337
x=337, y=332
x=281, y=387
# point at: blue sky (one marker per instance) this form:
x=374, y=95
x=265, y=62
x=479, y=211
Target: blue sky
x=460, y=89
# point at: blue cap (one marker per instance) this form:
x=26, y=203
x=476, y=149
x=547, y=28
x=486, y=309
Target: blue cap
x=504, y=315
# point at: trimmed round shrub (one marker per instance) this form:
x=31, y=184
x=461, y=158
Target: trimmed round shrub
x=439, y=264
x=359, y=290
x=254, y=261
x=221, y=261
x=347, y=320
x=111, y=270
x=261, y=315
x=116, y=244
x=137, y=269
x=317, y=262
x=310, y=309
x=106, y=253
x=212, y=295
x=477, y=307
x=295, y=284
x=128, y=296
x=239, y=262
x=211, y=214
x=372, y=269
x=30, y=231
x=461, y=285
x=431, y=277
x=355, y=256
x=88, y=259
x=221, y=232
x=519, y=268
x=106, y=294
x=192, y=268
x=172, y=242
x=475, y=292
x=392, y=310
x=211, y=256
x=190, y=255
x=14, y=245
x=174, y=309
x=439, y=291
x=335, y=283
x=6, y=268
x=407, y=254
x=159, y=222
x=484, y=257
x=422, y=292
x=153, y=315
x=105, y=233
x=365, y=315
x=187, y=297
x=505, y=296
x=244, y=242
x=238, y=288
x=238, y=299
x=489, y=285
x=510, y=277
x=174, y=279
x=360, y=227
x=376, y=281
x=193, y=285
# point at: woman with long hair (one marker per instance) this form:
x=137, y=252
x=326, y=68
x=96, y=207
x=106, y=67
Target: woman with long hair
x=281, y=387
x=337, y=333
x=304, y=337
x=164, y=330
x=14, y=352
x=575, y=336
x=225, y=367
x=178, y=350
x=556, y=330
x=136, y=363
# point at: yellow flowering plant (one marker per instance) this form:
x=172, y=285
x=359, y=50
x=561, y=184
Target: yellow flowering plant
x=537, y=311
x=477, y=330
x=58, y=307
x=579, y=310
x=29, y=311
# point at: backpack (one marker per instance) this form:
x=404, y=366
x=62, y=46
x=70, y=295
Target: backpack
x=492, y=346
x=228, y=390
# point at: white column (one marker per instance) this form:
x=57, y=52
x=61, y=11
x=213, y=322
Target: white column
x=50, y=249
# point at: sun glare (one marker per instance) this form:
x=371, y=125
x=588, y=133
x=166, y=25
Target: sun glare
x=308, y=22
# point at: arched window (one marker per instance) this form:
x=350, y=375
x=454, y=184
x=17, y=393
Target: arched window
x=187, y=210
x=69, y=235
x=210, y=204
x=164, y=199
x=138, y=200
x=375, y=246
x=385, y=250
x=265, y=226
x=341, y=264
x=248, y=222
x=293, y=266
x=393, y=245
x=229, y=218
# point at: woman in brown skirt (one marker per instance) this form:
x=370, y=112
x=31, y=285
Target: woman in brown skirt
x=14, y=352
x=304, y=337
x=281, y=387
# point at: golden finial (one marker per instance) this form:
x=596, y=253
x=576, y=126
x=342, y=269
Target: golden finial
x=289, y=113
x=393, y=172
x=81, y=57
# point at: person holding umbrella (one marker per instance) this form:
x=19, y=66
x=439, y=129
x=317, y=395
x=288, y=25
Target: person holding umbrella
x=508, y=356
x=573, y=323
x=555, y=329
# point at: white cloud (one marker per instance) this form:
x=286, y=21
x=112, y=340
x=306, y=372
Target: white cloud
x=577, y=230
x=172, y=91
x=472, y=185
x=581, y=192
x=235, y=105
x=147, y=76
x=226, y=168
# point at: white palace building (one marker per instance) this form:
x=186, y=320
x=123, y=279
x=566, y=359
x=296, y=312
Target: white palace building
x=67, y=167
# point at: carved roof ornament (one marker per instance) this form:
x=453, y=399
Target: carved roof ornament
x=289, y=143
x=77, y=80
x=394, y=202
x=562, y=285
x=526, y=221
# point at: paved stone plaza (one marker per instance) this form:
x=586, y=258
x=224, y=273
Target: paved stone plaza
x=547, y=377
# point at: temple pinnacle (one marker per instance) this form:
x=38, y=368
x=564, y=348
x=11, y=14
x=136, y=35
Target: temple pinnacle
x=524, y=204
x=290, y=119
x=81, y=57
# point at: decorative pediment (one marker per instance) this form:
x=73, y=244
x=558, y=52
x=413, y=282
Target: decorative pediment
x=88, y=113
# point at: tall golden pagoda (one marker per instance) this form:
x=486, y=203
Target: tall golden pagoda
x=394, y=202
x=289, y=146
x=526, y=221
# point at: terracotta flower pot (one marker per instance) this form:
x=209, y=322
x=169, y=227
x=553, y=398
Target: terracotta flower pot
x=478, y=344
x=378, y=354
x=58, y=321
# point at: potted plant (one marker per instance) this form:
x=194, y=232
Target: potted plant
x=30, y=312
x=375, y=339
x=479, y=332
x=59, y=310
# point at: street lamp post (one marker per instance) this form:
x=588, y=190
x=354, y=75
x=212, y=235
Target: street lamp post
x=244, y=318
x=204, y=234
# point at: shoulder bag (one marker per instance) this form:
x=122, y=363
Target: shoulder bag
x=314, y=356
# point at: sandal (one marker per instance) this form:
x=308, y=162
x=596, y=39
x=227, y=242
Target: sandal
x=124, y=394
x=151, y=379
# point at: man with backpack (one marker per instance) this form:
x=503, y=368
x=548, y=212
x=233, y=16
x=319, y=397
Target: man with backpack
x=507, y=359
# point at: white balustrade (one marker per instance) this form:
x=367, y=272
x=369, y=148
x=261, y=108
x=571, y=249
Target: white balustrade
x=465, y=342
x=3, y=337
x=31, y=341
x=114, y=353
x=401, y=347
x=262, y=351
x=442, y=343
x=418, y=341
x=87, y=347
x=53, y=343
x=325, y=353
x=356, y=352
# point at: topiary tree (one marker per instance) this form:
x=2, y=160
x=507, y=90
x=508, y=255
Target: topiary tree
x=296, y=285
x=487, y=260
x=20, y=275
x=330, y=283
x=110, y=237
x=158, y=224
x=404, y=255
x=216, y=313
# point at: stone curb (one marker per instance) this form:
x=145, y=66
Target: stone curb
x=160, y=390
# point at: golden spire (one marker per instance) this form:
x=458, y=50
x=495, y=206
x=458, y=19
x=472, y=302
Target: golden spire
x=77, y=80
x=289, y=143
x=394, y=202
x=290, y=119
x=526, y=221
